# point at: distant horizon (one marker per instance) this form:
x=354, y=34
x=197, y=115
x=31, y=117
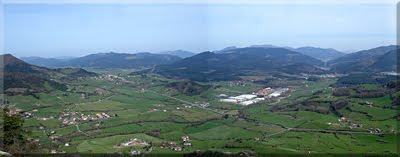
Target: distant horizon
x=160, y=52
x=52, y=30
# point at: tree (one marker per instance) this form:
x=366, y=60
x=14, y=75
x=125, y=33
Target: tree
x=15, y=141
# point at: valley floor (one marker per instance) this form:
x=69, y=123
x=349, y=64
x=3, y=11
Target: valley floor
x=140, y=114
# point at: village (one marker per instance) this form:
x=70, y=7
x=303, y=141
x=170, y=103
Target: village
x=71, y=118
x=260, y=95
x=110, y=77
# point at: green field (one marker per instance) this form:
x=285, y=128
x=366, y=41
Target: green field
x=145, y=107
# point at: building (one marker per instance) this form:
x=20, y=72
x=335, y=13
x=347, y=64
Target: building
x=185, y=138
x=177, y=149
x=264, y=92
x=245, y=99
x=134, y=142
x=222, y=95
x=135, y=152
x=187, y=144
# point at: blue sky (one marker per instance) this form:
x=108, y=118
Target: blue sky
x=51, y=30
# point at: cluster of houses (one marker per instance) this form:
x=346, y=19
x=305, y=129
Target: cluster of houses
x=134, y=142
x=175, y=147
x=260, y=95
x=186, y=141
x=171, y=145
x=270, y=92
x=344, y=120
x=13, y=110
x=56, y=139
x=374, y=130
x=71, y=118
x=187, y=106
x=53, y=151
x=307, y=76
x=114, y=78
x=30, y=114
x=237, y=83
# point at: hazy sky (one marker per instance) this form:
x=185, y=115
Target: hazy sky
x=51, y=30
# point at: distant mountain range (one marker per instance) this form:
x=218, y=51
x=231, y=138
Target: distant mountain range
x=323, y=54
x=228, y=64
x=45, y=62
x=209, y=66
x=121, y=60
x=232, y=62
x=21, y=77
x=179, y=53
x=107, y=60
x=146, y=60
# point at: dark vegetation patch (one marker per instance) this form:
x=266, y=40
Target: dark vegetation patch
x=365, y=78
x=189, y=87
x=75, y=72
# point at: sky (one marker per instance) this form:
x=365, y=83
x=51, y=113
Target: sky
x=78, y=29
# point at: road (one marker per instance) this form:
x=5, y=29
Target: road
x=79, y=130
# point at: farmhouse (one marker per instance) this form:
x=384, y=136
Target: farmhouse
x=177, y=148
x=342, y=120
x=185, y=138
x=105, y=115
x=28, y=115
x=43, y=119
x=135, y=152
x=134, y=142
x=99, y=115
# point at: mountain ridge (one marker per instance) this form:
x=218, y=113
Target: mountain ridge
x=208, y=66
x=360, y=61
x=110, y=60
x=21, y=77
